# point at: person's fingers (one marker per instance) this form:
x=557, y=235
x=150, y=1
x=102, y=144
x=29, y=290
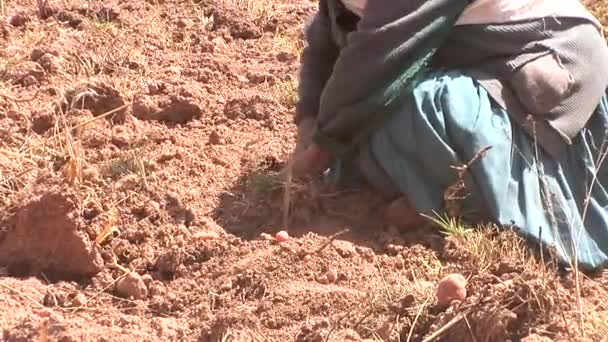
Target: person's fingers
x=311, y=160
x=322, y=158
x=305, y=131
x=302, y=162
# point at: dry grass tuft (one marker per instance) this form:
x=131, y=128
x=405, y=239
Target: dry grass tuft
x=129, y=163
x=286, y=92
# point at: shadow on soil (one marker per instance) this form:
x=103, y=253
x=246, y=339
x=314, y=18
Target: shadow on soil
x=254, y=205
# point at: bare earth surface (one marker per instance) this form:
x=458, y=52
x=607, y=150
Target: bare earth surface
x=140, y=144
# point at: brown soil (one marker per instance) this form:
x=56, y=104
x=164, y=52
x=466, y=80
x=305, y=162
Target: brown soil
x=141, y=144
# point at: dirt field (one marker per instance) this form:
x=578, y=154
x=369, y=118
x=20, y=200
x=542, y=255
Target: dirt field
x=140, y=144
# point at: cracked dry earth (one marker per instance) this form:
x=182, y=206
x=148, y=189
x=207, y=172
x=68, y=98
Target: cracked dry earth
x=139, y=197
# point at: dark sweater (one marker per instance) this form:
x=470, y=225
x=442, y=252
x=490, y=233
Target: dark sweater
x=552, y=70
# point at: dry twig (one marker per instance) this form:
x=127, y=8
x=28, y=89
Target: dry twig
x=455, y=192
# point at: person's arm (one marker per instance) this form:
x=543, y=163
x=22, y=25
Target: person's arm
x=317, y=63
x=383, y=58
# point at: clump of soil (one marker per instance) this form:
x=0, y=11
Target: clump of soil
x=19, y=19
x=174, y=110
x=99, y=99
x=42, y=121
x=255, y=107
x=132, y=286
x=26, y=73
x=44, y=232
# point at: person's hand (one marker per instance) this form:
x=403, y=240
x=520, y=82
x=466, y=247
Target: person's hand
x=308, y=157
x=306, y=129
x=313, y=159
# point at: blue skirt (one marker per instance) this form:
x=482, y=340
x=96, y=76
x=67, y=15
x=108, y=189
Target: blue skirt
x=559, y=201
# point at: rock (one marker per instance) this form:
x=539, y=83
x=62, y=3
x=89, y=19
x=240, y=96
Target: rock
x=157, y=288
x=132, y=286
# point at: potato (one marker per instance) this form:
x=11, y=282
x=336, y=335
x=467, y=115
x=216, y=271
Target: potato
x=332, y=276
x=282, y=236
x=451, y=288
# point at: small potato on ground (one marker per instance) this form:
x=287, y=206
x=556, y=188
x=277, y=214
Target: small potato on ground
x=282, y=236
x=451, y=288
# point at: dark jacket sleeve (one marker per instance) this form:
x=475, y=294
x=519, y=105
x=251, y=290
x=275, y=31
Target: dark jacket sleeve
x=317, y=63
x=382, y=59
